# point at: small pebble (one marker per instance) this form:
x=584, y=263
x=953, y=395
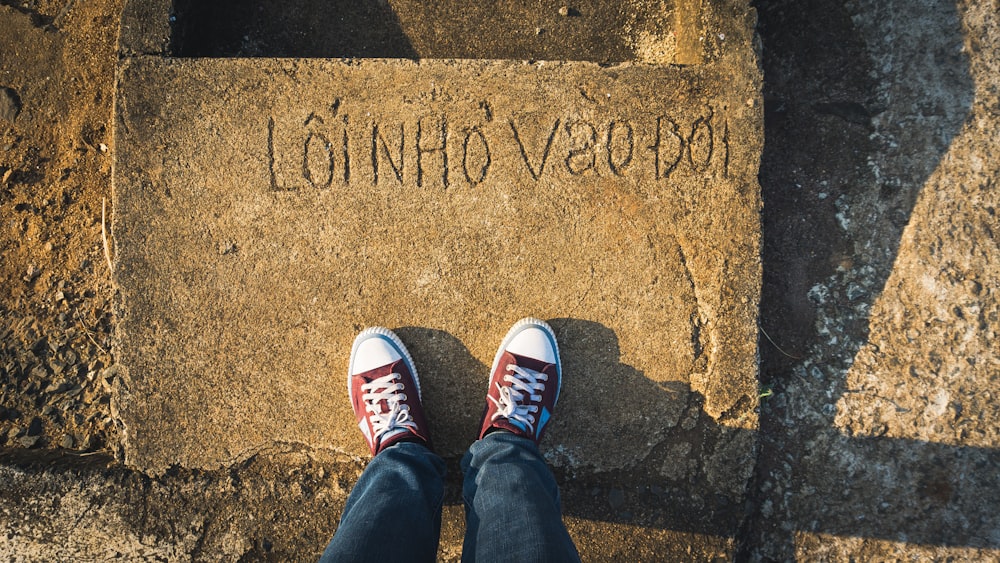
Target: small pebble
x=34, y=427
x=110, y=373
x=31, y=273
x=29, y=441
x=60, y=387
x=855, y=292
x=67, y=442
x=973, y=286
x=10, y=104
x=564, y=11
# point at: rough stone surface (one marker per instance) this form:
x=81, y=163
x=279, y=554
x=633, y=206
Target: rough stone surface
x=57, y=508
x=881, y=438
x=280, y=507
x=620, y=203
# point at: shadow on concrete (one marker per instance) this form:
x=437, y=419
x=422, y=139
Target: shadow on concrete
x=594, y=30
x=452, y=387
x=822, y=163
x=692, y=478
x=289, y=28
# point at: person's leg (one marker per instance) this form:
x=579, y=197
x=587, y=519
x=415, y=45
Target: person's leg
x=511, y=498
x=394, y=511
x=512, y=503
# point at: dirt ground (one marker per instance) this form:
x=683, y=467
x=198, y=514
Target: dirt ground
x=57, y=67
x=878, y=424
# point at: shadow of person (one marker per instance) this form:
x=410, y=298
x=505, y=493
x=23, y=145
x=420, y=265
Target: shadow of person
x=610, y=414
x=614, y=429
x=671, y=465
x=626, y=449
x=453, y=387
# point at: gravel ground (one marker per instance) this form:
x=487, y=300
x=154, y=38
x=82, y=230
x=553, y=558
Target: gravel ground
x=55, y=335
x=880, y=294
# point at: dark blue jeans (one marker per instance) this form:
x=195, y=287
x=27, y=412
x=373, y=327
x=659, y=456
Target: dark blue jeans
x=511, y=506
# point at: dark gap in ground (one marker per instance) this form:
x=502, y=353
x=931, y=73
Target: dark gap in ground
x=593, y=30
x=811, y=54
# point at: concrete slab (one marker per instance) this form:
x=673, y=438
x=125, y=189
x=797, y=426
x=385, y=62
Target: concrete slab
x=266, y=210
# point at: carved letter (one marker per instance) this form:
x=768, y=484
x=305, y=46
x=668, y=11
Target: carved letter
x=667, y=142
x=725, y=144
x=270, y=155
x=545, y=153
x=307, y=151
x=487, y=161
x=347, y=153
x=700, y=144
x=377, y=139
x=582, y=158
x=617, y=168
x=442, y=148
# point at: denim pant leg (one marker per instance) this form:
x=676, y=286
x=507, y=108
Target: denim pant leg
x=394, y=510
x=512, y=504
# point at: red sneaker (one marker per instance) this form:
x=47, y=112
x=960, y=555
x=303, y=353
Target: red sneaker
x=525, y=381
x=384, y=390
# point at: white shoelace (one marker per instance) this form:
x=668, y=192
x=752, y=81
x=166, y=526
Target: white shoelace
x=387, y=388
x=526, y=384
